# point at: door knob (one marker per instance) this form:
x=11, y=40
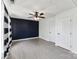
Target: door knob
x=50, y=32
x=70, y=33
x=58, y=33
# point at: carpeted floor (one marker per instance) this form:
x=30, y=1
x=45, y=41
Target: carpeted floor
x=38, y=49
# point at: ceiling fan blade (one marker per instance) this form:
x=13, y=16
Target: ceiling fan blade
x=31, y=14
x=29, y=17
x=41, y=13
x=41, y=17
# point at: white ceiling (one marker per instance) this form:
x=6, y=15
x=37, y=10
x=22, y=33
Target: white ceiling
x=22, y=8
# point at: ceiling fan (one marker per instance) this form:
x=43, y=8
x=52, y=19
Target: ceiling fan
x=36, y=15
x=12, y=1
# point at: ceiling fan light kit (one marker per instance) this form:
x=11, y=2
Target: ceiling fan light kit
x=37, y=15
x=36, y=18
x=12, y=1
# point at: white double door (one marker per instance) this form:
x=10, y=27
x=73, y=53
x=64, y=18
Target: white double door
x=63, y=32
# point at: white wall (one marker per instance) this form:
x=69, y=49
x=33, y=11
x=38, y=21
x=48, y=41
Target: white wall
x=47, y=29
x=60, y=29
x=44, y=29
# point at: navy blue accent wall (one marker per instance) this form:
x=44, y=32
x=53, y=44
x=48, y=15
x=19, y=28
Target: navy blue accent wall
x=24, y=28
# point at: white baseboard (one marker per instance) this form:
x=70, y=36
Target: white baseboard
x=44, y=38
x=67, y=49
x=74, y=52
x=25, y=39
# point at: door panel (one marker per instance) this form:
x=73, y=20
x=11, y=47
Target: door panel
x=52, y=30
x=64, y=32
x=59, y=34
x=67, y=32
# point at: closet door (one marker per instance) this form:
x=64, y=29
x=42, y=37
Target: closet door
x=59, y=40
x=52, y=30
x=74, y=34
x=64, y=32
x=67, y=32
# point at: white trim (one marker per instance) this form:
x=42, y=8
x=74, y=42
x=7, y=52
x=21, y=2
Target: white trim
x=66, y=48
x=25, y=39
x=44, y=38
x=74, y=52
x=1, y=29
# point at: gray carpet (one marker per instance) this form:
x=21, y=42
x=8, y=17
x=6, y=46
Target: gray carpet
x=38, y=49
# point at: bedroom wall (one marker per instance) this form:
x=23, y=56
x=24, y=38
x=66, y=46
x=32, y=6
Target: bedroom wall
x=22, y=28
x=47, y=29
x=60, y=29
